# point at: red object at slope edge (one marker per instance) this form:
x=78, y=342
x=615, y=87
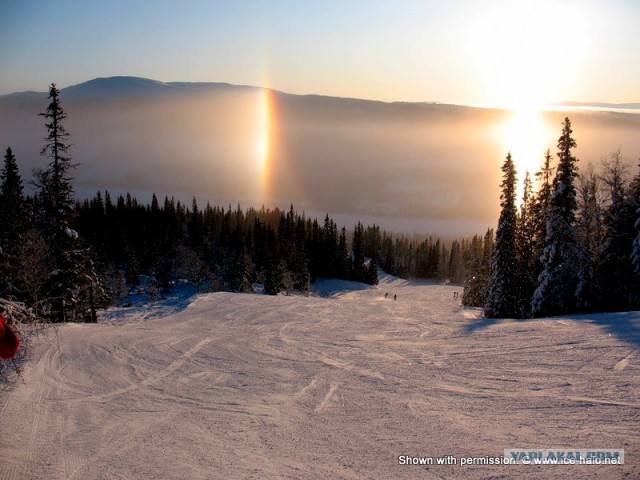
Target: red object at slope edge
x=9, y=342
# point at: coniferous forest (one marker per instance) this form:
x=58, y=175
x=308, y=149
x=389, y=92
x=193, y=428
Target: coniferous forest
x=571, y=246
x=574, y=246
x=66, y=259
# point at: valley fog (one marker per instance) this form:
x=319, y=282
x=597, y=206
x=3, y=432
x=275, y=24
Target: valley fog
x=407, y=166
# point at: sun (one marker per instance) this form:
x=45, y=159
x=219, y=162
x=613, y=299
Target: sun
x=526, y=137
x=523, y=55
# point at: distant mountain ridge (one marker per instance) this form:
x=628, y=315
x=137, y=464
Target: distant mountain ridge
x=617, y=106
x=130, y=86
x=125, y=86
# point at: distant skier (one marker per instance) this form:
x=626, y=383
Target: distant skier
x=386, y=294
x=395, y=297
x=9, y=342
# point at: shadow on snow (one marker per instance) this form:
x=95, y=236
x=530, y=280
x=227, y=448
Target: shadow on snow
x=624, y=325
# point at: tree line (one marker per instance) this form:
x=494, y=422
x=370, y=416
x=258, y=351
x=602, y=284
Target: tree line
x=572, y=246
x=66, y=259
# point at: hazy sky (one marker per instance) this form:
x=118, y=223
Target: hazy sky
x=479, y=51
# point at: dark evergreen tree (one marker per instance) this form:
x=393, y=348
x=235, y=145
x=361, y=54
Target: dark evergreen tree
x=343, y=263
x=456, y=263
x=559, y=283
x=616, y=267
x=388, y=255
x=433, y=260
x=478, y=264
x=503, y=292
x=55, y=187
x=371, y=241
x=526, y=249
x=77, y=288
x=299, y=266
x=442, y=271
x=634, y=198
x=590, y=231
x=540, y=209
x=330, y=261
x=358, y=269
x=372, y=272
x=13, y=222
x=274, y=276
x=196, y=234
x=12, y=201
x=74, y=289
x=241, y=271
x=315, y=250
x=474, y=286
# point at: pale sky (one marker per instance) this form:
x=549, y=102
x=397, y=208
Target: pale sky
x=487, y=52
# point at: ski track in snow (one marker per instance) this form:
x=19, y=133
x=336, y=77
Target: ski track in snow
x=247, y=386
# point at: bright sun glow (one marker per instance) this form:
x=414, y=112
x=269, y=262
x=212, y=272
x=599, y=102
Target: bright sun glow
x=526, y=138
x=527, y=53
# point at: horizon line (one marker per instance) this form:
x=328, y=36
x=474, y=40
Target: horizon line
x=632, y=107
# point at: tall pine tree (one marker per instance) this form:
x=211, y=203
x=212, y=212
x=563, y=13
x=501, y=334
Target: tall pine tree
x=478, y=265
x=634, y=195
x=74, y=288
x=13, y=222
x=56, y=193
x=590, y=232
x=616, y=266
x=526, y=249
x=502, y=295
x=558, y=283
x=540, y=209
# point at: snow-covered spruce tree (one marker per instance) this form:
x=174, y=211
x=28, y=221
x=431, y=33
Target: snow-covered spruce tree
x=274, y=276
x=358, y=268
x=502, y=295
x=74, y=290
x=343, y=261
x=473, y=294
x=590, y=232
x=634, y=195
x=617, y=270
x=292, y=235
x=372, y=271
x=540, y=209
x=13, y=222
x=559, y=282
x=328, y=265
x=456, y=263
x=526, y=249
x=56, y=193
x=242, y=271
x=478, y=264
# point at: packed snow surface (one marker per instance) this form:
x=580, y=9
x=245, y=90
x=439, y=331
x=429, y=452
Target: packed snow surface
x=338, y=386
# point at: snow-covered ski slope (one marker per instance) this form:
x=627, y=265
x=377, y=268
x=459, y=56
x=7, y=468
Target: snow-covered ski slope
x=232, y=386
